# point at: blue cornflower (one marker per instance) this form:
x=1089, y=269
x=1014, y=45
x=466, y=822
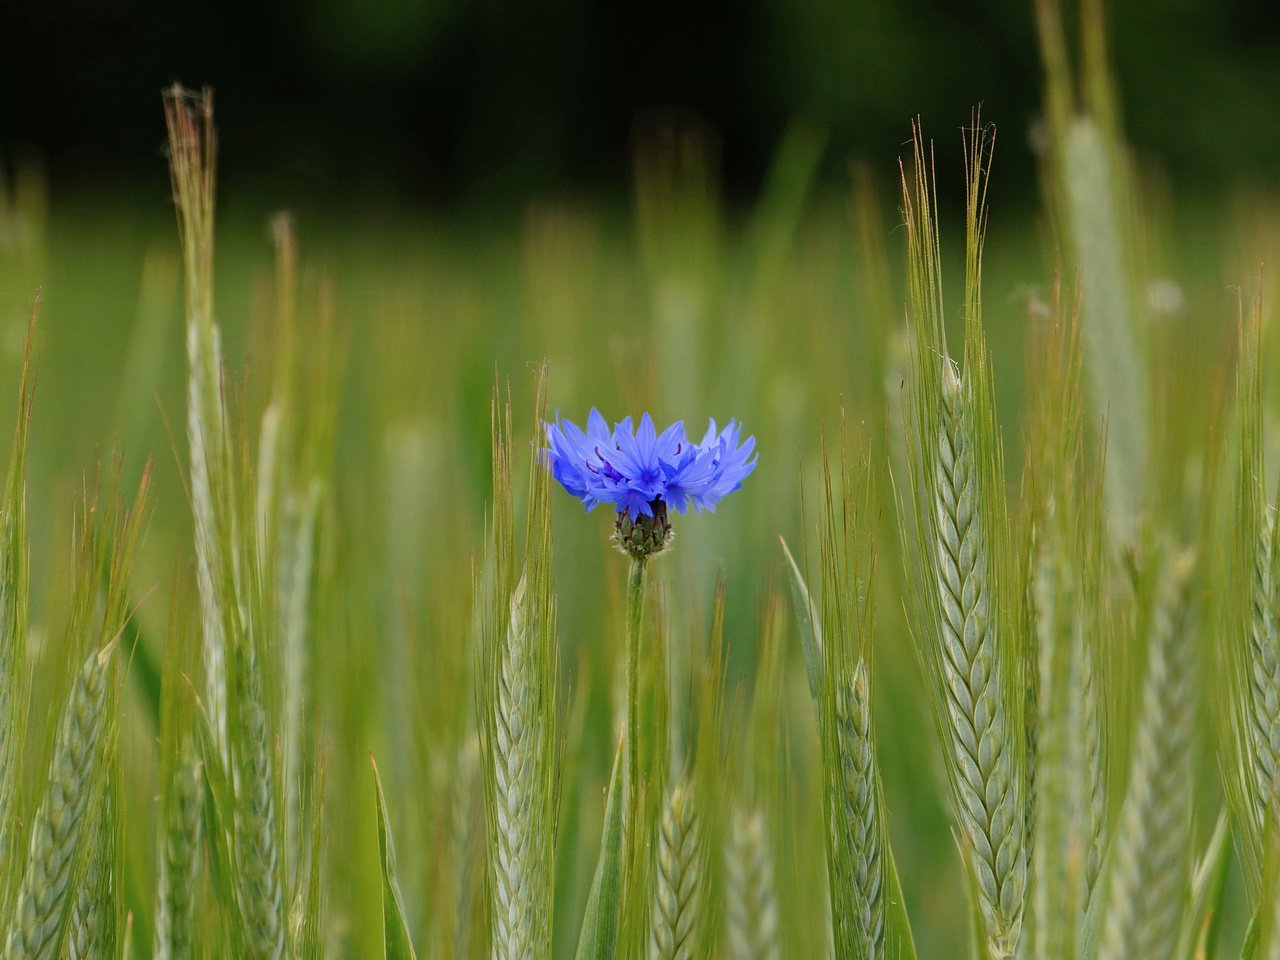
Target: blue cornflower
x=641, y=472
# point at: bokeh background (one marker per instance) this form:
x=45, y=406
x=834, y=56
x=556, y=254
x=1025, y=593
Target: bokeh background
x=683, y=207
x=340, y=102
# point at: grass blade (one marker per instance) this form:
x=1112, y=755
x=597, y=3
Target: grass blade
x=395, y=928
x=599, y=937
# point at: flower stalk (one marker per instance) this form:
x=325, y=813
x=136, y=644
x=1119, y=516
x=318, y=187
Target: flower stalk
x=635, y=619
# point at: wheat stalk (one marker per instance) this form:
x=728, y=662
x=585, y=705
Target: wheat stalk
x=673, y=925
x=985, y=782
x=1148, y=877
x=36, y=927
x=751, y=905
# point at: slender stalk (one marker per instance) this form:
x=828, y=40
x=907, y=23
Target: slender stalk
x=635, y=618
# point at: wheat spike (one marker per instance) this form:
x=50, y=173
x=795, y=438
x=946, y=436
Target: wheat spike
x=175, y=933
x=864, y=844
x=1264, y=678
x=296, y=569
x=259, y=862
x=1144, y=896
x=751, y=905
x=673, y=926
x=11, y=649
x=193, y=149
x=516, y=907
x=987, y=789
x=1069, y=826
x=1112, y=350
x=91, y=935
x=1091, y=722
x=36, y=927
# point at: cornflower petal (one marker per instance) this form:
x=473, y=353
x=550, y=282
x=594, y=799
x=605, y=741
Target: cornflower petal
x=638, y=471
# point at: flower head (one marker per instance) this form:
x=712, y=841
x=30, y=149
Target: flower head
x=642, y=473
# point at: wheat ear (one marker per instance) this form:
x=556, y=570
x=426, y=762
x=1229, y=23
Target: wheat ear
x=1264, y=678
x=1112, y=350
x=11, y=704
x=861, y=820
x=1144, y=896
x=258, y=843
x=175, y=934
x=987, y=789
x=1091, y=720
x=193, y=149
x=751, y=900
x=36, y=928
x=91, y=935
x=13, y=626
x=516, y=919
x=673, y=926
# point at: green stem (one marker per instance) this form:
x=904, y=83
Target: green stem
x=635, y=615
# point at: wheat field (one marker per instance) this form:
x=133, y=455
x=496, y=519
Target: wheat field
x=962, y=639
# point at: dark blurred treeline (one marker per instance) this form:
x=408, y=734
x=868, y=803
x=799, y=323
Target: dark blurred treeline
x=447, y=100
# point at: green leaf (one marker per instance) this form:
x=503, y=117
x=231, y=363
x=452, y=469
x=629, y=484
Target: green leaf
x=599, y=936
x=395, y=931
x=902, y=945
x=806, y=617
x=1252, y=938
x=1208, y=884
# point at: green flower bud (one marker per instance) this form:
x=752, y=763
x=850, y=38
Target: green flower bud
x=645, y=536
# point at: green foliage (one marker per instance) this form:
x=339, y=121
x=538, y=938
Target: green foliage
x=394, y=926
x=599, y=935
